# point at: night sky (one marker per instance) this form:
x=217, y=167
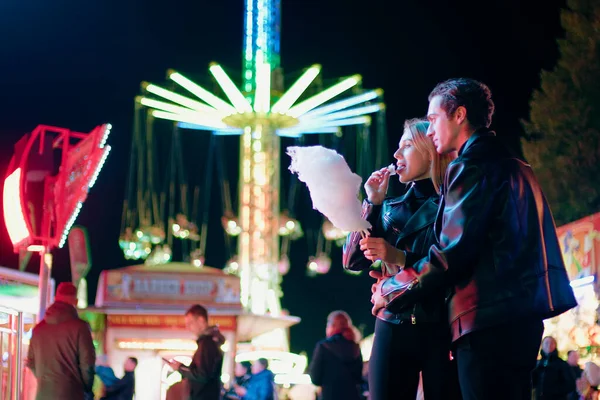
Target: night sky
x=80, y=64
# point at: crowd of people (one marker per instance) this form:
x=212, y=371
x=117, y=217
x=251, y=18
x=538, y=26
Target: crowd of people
x=470, y=266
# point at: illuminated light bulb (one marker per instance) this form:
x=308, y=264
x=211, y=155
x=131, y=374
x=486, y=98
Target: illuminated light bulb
x=197, y=258
x=231, y=225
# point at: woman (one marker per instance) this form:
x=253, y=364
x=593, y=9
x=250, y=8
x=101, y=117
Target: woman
x=336, y=364
x=417, y=340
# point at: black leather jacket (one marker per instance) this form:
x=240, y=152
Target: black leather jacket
x=397, y=221
x=498, y=245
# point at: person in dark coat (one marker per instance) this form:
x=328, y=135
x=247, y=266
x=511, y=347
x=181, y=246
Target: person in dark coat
x=61, y=350
x=552, y=377
x=124, y=388
x=203, y=375
x=417, y=340
x=498, y=250
x=576, y=371
x=336, y=364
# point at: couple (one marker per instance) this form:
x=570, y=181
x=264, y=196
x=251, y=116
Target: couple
x=473, y=254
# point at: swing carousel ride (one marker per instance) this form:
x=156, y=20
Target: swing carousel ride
x=181, y=128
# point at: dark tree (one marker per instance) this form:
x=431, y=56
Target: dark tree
x=562, y=140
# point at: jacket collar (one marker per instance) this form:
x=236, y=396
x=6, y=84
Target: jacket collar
x=424, y=216
x=480, y=133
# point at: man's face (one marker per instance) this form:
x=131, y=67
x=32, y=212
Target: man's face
x=443, y=129
x=194, y=324
x=548, y=345
x=257, y=367
x=573, y=358
x=129, y=365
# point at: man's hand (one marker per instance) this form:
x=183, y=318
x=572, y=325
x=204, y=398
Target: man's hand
x=241, y=391
x=379, y=249
x=376, y=298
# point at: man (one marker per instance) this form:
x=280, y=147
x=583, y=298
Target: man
x=573, y=361
x=124, y=388
x=61, y=351
x=552, y=377
x=203, y=375
x=576, y=371
x=498, y=250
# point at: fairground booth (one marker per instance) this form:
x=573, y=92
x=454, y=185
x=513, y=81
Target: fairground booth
x=19, y=302
x=140, y=309
x=578, y=328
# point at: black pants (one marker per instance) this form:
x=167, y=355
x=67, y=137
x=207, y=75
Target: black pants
x=496, y=363
x=401, y=352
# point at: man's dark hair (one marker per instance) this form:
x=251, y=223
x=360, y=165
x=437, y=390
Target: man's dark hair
x=247, y=365
x=475, y=96
x=264, y=362
x=571, y=351
x=197, y=311
x=135, y=360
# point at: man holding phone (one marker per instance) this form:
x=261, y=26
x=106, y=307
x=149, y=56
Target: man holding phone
x=203, y=375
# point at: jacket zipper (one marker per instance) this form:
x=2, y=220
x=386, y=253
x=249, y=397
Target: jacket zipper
x=413, y=318
x=549, y=292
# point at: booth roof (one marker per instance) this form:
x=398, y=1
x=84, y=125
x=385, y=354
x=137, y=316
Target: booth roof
x=174, y=267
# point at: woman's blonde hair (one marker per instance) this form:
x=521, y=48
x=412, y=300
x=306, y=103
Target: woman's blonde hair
x=417, y=130
x=341, y=323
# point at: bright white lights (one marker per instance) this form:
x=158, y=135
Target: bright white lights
x=349, y=102
x=99, y=167
x=582, y=281
x=262, y=98
x=296, y=90
x=177, y=98
x=216, y=131
x=13, y=212
x=353, y=112
x=195, y=119
x=69, y=224
x=231, y=91
x=202, y=93
x=168, y=107
x=297, y=132
x=324, y=96
x=365, y=119
x=107, y=129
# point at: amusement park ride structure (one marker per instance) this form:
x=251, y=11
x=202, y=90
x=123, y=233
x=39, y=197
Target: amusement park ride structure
x=260, y=112
x=36, y=190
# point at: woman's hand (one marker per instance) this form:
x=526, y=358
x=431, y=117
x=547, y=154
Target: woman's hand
x=380, y=249
x=377, y=185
